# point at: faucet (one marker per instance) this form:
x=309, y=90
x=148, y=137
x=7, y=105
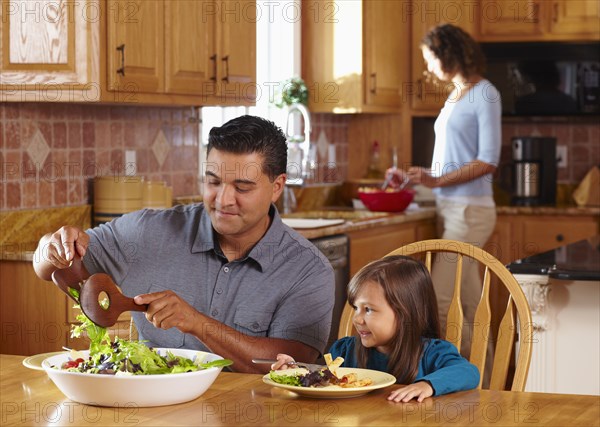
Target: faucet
x=301, y=162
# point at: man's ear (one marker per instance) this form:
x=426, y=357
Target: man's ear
x=278, y=186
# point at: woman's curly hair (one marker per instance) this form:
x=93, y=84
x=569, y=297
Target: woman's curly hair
x=456, y=50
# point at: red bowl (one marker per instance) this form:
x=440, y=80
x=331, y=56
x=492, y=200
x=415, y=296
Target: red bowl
x=387, y=201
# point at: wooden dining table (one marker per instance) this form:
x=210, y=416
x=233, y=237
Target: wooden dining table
x=29, y=397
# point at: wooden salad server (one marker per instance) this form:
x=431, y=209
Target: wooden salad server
x=117, y=302
x=71, y=277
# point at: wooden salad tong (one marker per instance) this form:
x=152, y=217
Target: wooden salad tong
x=91, y=290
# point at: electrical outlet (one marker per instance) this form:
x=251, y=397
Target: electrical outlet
x=130, y=162
x=561, y=156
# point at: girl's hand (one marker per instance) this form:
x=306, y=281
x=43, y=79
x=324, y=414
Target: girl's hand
x=420, y=390
x=282, y=362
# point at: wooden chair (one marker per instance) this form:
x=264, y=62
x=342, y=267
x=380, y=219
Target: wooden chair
x=506, y=329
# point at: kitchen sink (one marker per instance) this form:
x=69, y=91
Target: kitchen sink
x=348, y=215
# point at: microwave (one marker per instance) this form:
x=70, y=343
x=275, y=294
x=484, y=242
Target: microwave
x=545, y=79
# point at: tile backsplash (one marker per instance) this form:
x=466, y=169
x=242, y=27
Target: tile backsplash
x=50, y=152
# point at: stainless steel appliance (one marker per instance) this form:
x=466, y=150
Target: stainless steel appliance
x=534, y=171
x=545, y=78
x=335, y=248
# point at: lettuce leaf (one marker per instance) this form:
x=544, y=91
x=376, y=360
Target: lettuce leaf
x=133, y=357
x=286, y=379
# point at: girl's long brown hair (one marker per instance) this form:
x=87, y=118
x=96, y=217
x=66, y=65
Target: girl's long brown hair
x=409, y=291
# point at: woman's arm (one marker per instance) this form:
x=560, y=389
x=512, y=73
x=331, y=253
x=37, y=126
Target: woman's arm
x=468, y=172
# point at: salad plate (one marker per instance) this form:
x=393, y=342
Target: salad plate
x=380, y=380
x=35, y=361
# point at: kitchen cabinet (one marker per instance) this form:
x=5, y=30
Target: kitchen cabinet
x=426, y=94
x=541, y=234
x=236, y=53
x=575, y=19
x=49, y=51
x=36, y=317
x=373, y=243
x=539, y=20
x=348, y=70
x=519, y=236
x=33, y=312
x=135, y=47
x=189, y=52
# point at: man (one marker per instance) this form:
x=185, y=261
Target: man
x=225, y=275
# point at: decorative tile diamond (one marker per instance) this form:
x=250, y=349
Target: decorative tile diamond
x=160, y=147
x=38, y=149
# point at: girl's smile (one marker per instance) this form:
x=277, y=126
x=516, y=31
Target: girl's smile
x=374, y=318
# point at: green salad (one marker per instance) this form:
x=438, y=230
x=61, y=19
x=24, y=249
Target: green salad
x=125, y=357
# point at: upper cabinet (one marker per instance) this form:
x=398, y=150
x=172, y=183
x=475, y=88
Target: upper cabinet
x=135, y=46
x=49, y=50
x=200, y=52
x=426, y=94
x=539, y=20
x=575, y=19
x=184, y=52
x=354, y=55
x=236, y=53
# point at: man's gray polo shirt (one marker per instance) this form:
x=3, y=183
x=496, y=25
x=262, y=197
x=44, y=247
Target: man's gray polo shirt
x=283, y=288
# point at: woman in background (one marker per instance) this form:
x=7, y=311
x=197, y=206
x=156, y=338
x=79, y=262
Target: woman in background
x=466, y=152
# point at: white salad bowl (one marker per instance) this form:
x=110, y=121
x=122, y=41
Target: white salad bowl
x=133, y=390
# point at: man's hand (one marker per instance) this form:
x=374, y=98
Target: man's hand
x=168, y=310
x=57, y=250
x=420, y=390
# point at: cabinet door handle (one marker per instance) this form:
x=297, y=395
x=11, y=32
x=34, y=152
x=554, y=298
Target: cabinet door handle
x=560, y=237
x=555, y=13
x=213, y=58
x=226, y=60
x=373, y=82
x=420, y=89
x=121, y=70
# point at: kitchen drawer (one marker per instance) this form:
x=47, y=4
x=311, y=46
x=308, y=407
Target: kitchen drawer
x=369, y=245
x=541, y=234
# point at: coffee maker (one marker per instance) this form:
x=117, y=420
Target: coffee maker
x=534, y=171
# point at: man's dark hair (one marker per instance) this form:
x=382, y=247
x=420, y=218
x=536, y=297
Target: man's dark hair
x=251, y=134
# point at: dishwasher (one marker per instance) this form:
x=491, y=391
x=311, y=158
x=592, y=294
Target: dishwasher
x=335, y=248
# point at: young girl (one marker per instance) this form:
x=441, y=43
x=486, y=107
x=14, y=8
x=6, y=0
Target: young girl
x=397, y=322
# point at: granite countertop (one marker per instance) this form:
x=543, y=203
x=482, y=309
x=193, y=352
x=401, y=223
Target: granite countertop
x=548, y=210
x=367, y=222
x=576, y=261
x=21, y=230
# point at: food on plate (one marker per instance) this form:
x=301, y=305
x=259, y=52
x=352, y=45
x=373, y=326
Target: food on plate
x=332, y=365
x=323, y=377
x=127, y=357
